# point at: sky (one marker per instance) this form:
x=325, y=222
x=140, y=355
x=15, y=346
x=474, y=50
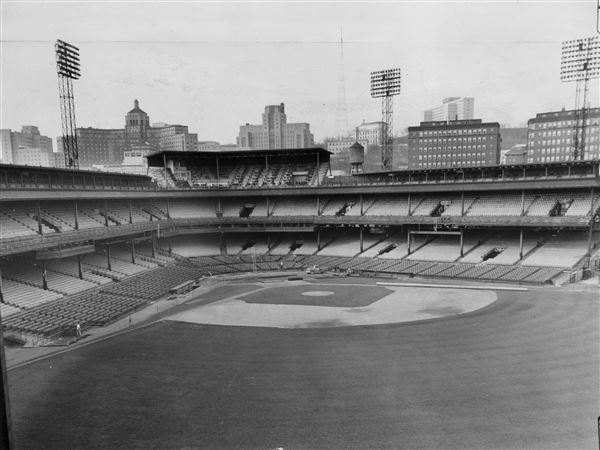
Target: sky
x=214, y=66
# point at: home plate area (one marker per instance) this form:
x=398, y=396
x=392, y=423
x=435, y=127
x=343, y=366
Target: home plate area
x=310, y=305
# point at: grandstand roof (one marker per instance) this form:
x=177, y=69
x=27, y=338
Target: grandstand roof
x=480, y=168
x=156, y=159
x=57, y=170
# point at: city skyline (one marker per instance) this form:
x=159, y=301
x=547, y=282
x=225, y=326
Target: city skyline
x=211, y=66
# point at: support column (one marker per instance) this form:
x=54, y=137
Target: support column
x=318, y=206
x=39, y=217
x=79, y=271
x=130, y=212
x=108, y=257
x=132, y=252
x=318, y=167
x=589, y=240
x=408, y=239
x=44, y=276
x=168, y=210
x=361, y=240
x=409, y=205
x=521, y=244
x=462, y=248
x=1, y=294
x=318, y=239
x=362, y=211
x=523, y=203
x=153, y=242
x=218, y=175
x=462, y=203
x=268, y=207
x=76, y=215
x=165, y=171
x=106, y=213
x=219, y=211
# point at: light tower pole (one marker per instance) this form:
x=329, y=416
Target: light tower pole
x=67, y=67
x=385, y=84
x=580, y=62
x=342, y=109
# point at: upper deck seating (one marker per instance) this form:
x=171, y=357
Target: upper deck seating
x=295, y=206
x=540, y=205
x=192, y=208
x=338, y=206
x=24, y=214
x=580, y=205
x=424, y=206
x=500, y=205
x=455, y=206
x=391, y=206
x=10, y=228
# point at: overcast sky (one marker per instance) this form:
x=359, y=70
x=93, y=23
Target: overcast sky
x=214, y=66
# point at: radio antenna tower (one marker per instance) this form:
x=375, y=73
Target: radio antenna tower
x=580, y=62
x=342, y=110
x=67, y=67
x=385, y=84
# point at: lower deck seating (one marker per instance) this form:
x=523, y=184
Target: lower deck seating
x=193, y=245
x=563, y=250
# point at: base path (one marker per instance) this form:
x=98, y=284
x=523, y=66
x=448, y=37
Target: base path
x=287, y=305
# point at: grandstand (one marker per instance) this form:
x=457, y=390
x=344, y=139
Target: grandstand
x=92, y=245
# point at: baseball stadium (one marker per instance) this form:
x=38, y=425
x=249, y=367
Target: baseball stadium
x=249, y=299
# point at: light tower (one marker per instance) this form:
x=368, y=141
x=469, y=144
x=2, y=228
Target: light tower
x=385, y=84
x=580, y=62
x=67, y=67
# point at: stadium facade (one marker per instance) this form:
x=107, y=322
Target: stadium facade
x=87, y=247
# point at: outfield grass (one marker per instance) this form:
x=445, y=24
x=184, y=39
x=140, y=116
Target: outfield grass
x=522, y=373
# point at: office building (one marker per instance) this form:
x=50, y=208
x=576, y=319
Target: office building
x=452, y=108
x=28, y=147
x=342, y=145
x=371, y=133
x=275, y=132
x=457, y=143
x=108, y=146
x=551, y=136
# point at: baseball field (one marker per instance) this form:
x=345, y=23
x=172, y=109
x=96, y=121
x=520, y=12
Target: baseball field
x=328, y=364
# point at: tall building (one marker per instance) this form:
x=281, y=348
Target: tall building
x=108, y=146
x=550, y=136
x=28, y=147
x=371, y=133
x=275, y=132
x=452, y=108
x=458, y=143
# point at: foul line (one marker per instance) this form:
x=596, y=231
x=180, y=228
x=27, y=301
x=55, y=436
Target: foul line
x=454, y=286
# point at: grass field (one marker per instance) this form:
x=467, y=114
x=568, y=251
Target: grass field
x=520, y=373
